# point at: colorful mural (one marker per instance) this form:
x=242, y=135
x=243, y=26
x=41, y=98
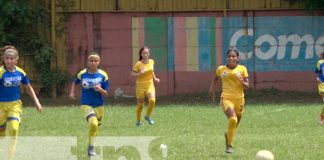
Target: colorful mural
x=179, y=43
x=280, y=48
x=290, y=43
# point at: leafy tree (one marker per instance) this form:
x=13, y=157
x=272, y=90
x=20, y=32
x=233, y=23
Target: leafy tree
x=24, y=27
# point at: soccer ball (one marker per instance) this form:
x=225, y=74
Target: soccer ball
x=264, y=155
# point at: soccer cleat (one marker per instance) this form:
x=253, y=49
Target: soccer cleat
x=149, y=120
x=91, y=151
x=322, y=119
x=139, y=124
x=228, y=148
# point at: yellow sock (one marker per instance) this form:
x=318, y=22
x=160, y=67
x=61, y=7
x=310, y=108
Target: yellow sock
x=93, y=129
x=231, y=129
x=13, y=128
x=150, y=107
x=139, y=111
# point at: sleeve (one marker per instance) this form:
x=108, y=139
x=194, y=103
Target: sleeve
x=25, y=80
x=152, y=64
x=317, y=70
x=244, y=72
x=106, y=85
x=136, y=67
x=218, y=71
x=77, y=79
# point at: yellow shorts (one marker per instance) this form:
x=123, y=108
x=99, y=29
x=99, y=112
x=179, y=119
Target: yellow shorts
x=320, y=88
x=236, y=103
x=10, y=111
x=143, y=89
x=89, y=112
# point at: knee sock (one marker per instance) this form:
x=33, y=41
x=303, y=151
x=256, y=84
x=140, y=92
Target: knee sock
x=93, y=129
x=13, y=128
x=139, y=111
x=231, y=129
x=150, y=107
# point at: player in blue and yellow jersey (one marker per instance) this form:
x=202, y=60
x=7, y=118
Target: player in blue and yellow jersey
x=11, y=78
x=144, y=71
x=95, y=86
x=320, y=83
x=234, y=80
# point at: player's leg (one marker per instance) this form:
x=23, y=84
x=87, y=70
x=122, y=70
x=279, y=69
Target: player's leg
x=322, y=111
x=229, y=111
x=151, y=104
x=140, y=95
x=139, y=108
x=321, y=93
x=13, y=121
x=92, y=120
x=239, y=109
x=3, y=120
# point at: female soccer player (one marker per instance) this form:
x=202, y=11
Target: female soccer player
x=11, y=77
x=95, y=87
x=320, y=83
x=234, y=80
x=144, y=71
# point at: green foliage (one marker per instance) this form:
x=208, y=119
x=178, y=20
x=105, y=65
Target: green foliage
x=22, y=26
x=310, y=5
x=313, y=5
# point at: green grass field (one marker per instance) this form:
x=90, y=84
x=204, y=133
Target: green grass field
x=290, y=131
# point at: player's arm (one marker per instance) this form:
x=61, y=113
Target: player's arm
x=137, y=71
x=136, y=74
x=103, y=92
x=72, y=91
x=244, y=79
x=317, y=72
x=32, y=94
x=157, y=80
x=245, y=82
x=213, y=87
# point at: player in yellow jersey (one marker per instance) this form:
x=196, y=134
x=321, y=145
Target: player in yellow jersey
x=144, y=71
x=11, y=78
x=234, y=80
x=320, y=83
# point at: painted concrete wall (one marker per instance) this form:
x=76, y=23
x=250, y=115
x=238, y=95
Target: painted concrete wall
x=279, y=48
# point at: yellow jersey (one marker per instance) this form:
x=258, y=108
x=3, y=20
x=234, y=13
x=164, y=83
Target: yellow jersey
x=147, y=76
x=231, y=85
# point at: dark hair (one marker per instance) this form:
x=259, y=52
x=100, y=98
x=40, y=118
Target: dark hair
x=233, y=50
x=322, y=54
x=140, y=52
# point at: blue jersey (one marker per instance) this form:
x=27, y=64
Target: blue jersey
x=10, y=82
x=88, y=95
x=320, y=70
